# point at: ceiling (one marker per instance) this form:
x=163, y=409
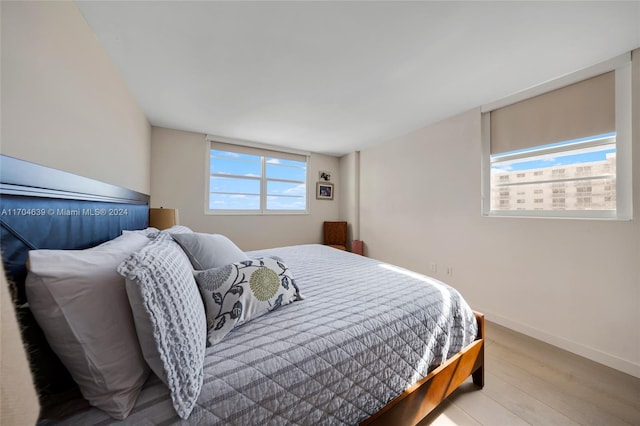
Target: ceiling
x=334, y=77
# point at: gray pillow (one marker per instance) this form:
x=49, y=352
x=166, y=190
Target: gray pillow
x=208, y=251
x=241, y=291
x=169, y=317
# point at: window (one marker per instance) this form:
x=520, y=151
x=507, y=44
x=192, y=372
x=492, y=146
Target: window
x=248, y=180
x=574, y=180
x=562, y=149
x=583, y=189
x=558, y=188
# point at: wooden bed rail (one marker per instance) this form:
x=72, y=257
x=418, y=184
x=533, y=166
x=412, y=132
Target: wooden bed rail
x=418, y=401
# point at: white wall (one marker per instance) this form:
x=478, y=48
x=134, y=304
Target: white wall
x=64, y=105
x=572, y=283
x=178, y=170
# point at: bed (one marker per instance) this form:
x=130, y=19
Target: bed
x=369, y=343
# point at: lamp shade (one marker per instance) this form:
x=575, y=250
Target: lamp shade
x=163, y=218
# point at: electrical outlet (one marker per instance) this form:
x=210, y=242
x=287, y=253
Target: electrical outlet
x=434, y=267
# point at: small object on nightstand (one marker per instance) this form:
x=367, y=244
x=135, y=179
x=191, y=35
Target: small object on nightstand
x=357, y=247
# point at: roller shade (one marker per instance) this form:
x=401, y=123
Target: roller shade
x=576, y=111
x=266, y=152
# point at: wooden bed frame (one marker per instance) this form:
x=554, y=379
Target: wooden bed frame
x=21, y=178
x=415, y=403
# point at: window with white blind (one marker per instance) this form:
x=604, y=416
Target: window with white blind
x=562, y=149
x=250, y=180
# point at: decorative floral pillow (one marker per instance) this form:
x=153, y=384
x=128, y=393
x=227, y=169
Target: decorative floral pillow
x=236, y=293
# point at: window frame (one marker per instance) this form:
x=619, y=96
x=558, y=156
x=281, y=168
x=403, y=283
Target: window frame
x=264, y=151
x=623, y=100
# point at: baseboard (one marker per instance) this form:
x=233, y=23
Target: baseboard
x=568, y=345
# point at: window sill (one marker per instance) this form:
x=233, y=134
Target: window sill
x=575, y=215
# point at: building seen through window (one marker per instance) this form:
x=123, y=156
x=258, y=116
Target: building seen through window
x=574, y=175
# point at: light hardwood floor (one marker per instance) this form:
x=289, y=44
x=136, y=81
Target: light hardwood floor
x=528, y=382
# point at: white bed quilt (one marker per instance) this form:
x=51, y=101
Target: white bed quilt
x=364, y=333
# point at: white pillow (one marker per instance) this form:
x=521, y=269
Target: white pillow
x=151, y=232
x=147, y=232
x=208, y=251
x=178, y=229
x=169, y=317
x=81, y=304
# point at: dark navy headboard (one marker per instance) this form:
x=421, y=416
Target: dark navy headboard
x=44, y=208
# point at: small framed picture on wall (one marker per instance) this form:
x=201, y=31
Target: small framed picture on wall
x=324, y=191
x=324, y=176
